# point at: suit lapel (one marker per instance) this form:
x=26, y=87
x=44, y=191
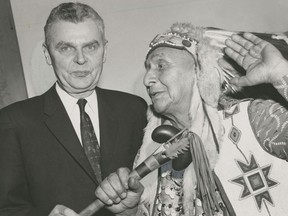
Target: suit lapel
x=60, y=125
x=108, y=123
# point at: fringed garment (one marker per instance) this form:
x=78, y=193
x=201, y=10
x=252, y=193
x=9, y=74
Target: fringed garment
x=249, y=172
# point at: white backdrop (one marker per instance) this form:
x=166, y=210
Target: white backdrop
x=130, y=25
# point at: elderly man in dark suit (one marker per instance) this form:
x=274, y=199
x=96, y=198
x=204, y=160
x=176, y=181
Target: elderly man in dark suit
x=56, y=148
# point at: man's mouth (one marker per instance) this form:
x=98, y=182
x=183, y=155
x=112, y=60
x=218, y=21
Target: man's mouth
x=154, y=94
x=81, y=73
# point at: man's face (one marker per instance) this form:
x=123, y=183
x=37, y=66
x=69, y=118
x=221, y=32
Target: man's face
x=77, y=53
x=169, y=80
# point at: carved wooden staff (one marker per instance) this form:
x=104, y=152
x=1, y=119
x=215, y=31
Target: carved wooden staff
x=168, y=150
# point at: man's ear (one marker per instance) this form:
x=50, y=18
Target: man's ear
x=105, y=52
x=46, y=53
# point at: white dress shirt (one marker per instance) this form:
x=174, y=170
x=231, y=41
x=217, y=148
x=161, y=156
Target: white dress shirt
x=72, y=108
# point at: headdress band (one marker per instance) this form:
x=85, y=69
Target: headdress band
x=173, y=40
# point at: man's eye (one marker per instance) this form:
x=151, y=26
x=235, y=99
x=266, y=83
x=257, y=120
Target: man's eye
x=91, y=47
x=161, y=66
x=66, y=49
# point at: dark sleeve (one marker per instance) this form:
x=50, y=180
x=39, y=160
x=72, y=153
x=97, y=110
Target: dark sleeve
x=142, y=123
x=14, y=193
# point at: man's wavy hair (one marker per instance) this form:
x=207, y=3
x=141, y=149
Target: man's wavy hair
x=72, y=12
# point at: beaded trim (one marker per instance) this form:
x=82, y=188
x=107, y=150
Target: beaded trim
x=173, y=40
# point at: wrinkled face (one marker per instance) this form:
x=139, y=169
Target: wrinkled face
x=169, y=80
x=77, y=53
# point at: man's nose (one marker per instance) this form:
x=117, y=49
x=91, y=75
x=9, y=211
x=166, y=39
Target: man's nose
x=80, y=57
x=149, y=78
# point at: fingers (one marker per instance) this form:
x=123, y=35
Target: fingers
x=249, y=43
x=245, y=50
x=239, y=44
x=237, y=48
x=135, y=185
x=114, y=188
x=253, y=38
x=246, y=42
x=123, y=174
x=234, y=55
x=61, y=210
x=240, y=81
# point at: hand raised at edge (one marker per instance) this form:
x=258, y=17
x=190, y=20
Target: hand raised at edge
x=262, y=61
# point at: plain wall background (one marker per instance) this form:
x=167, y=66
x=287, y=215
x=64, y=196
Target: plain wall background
x=131, y=25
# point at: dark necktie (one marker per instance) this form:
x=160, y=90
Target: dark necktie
x=89, y=140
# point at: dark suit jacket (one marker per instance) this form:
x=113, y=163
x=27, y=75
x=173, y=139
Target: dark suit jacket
x=42, y=162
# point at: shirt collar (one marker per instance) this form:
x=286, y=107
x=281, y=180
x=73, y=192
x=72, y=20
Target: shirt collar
x=70, y=102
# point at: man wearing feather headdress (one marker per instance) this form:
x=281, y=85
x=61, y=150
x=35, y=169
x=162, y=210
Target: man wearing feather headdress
x=239, y=148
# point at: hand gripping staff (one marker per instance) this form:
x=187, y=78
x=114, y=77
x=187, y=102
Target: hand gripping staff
x=174, y=143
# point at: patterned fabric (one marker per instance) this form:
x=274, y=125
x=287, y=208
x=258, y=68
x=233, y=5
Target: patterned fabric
x=255, y=183
x=270, y=125
x=169, y=200
x=89, y=140
x=169, y=197
x=282, y=86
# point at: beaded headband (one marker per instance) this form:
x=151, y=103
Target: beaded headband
x=173, y=40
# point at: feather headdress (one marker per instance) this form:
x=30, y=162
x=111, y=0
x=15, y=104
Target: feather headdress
x=206, y=45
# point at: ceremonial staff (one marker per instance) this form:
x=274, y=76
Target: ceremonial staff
x=174, y=143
